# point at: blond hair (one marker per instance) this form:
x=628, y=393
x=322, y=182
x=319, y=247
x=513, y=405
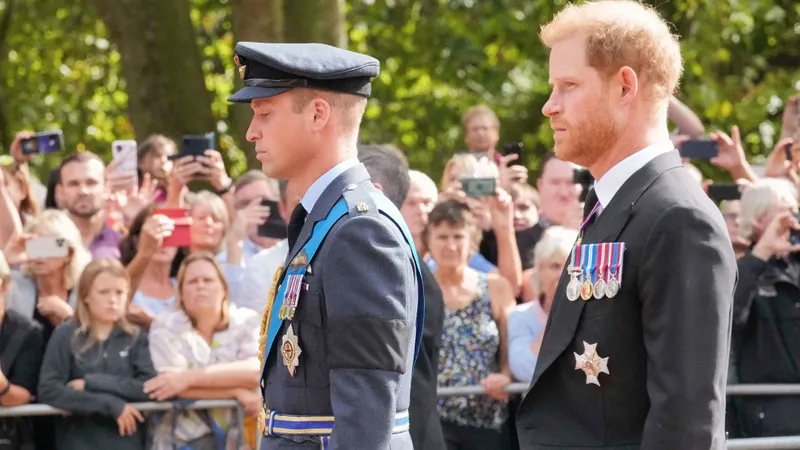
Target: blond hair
x=216, y=206
x=477, y=111
x=83, y=340
x=623, y=33
x=351, y=106
x=56, y=223
x=209, y=258
x=467, y=165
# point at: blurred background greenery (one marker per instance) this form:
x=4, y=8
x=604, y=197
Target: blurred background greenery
x=102, y=70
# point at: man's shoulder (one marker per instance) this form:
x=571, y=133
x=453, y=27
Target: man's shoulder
x=676, y=194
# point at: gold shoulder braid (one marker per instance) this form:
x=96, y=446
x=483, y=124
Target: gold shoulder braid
x=262, y=340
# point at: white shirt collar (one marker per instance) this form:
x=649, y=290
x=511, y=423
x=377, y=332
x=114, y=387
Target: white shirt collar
x=608, y=185
x=319, y=186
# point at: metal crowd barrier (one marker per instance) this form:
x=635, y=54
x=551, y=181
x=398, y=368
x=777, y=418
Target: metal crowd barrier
x=769, y=443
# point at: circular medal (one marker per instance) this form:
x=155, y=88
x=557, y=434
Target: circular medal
x=612, y=287
x=587, y=290
x=599, y=288
x=573, y=289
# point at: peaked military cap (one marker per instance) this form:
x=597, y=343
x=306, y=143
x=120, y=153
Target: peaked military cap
x=272, y=69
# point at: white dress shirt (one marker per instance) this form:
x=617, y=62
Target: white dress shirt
x=315, y=191
x=608, y=185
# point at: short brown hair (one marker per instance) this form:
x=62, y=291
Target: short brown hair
x=456, y=214
x=623, y=33
x=77, y=157
x=351, y=106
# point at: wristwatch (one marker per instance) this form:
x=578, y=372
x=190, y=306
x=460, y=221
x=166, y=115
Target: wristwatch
x=226, y=189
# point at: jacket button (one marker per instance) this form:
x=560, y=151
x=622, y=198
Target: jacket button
x=761, y=415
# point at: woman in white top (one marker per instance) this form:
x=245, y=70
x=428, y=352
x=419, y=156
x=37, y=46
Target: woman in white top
x=206, y=348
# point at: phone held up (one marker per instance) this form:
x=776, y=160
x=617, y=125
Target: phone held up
x=274, y=227
x=719, y=192
x=478, y=187
x=46, y=247
x=514, y=148
x=699, y=149
x=43, y=142
x=196, y=145
x=181, y=235
x=126, y=153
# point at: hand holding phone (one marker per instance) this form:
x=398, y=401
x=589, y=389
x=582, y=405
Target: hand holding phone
x=514, y=148
x=478, y=187
x=699, y=149
x=181, y=234
x=125, y=154
x=274, y=227
x=46, y=247
x=43, y=142
x=724, y=191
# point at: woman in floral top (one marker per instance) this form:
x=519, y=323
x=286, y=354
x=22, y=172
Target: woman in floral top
x=474, y=343
x=205, y=349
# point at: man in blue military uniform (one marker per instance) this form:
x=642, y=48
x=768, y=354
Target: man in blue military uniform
x=342, y=325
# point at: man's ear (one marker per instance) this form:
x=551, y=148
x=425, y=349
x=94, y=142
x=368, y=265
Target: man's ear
x=378, y=186
x=59, y=197
x=629, y=82
x=322, y=113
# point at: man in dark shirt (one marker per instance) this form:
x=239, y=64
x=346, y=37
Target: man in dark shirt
x=388, y=169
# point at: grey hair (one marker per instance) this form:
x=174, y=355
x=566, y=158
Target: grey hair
x=759, y=197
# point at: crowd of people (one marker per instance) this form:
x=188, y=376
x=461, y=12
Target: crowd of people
x=120, y=313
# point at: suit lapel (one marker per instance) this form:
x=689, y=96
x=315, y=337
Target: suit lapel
x=354, y=175
x=565, y=315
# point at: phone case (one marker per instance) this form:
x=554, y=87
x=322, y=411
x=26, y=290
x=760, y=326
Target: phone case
x=45, y=247
x=126, y=153
x=181, y=236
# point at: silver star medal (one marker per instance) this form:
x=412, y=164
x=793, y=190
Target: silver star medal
x=591, y=363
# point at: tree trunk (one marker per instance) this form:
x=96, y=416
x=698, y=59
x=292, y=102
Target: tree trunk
x=258, y=21
x=162, y=66
x=315, y=21
x=6, y=135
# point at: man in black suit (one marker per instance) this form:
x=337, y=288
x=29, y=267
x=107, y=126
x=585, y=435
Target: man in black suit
x=388, y=168
x=634, y=358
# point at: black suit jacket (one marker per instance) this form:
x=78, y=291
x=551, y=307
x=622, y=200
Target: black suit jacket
x=426, y=430
x=666, y=334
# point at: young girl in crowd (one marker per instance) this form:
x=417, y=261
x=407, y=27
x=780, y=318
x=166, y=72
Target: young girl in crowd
x=96, y=364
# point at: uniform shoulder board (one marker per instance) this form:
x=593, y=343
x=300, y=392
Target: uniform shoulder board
x=359, y=201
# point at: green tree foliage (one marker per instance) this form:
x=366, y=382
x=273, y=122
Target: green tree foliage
x=59, y=69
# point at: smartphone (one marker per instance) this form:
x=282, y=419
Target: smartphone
x=274, y=227
x=43, y=142
x=699, y=149
x=724, y=191
x=195, y=145
x=477, y=187
x=46, y=247
x=181, y=236
x=514, y=148
x=126, y=153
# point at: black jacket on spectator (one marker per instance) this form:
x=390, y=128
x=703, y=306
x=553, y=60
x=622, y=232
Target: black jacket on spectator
x=767, y=343
x=666, y=333
x=526, y=241
x=114, y=373
x=426, y=430
x=21, y=351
